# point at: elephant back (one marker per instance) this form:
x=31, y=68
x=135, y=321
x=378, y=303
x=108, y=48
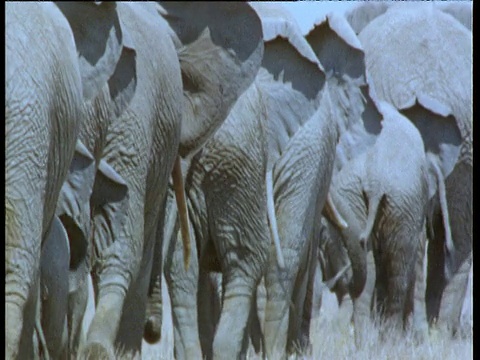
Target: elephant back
x=364, y=13
x=413, y=50
x=400, y=147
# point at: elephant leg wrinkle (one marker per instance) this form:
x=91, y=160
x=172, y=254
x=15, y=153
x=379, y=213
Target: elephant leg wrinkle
x=105, y=324
x=237, y=302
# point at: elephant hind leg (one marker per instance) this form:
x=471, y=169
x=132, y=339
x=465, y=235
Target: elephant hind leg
x=400, y=280
x=299, y=327
x=237, y=303
x=209, y=308
x=183, y=288
x=436, y=280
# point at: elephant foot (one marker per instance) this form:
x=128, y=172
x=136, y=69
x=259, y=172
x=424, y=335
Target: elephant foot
x=152, y=332
x=464, y=332
x=420, y=335
x=96, y=350
x=301, y=348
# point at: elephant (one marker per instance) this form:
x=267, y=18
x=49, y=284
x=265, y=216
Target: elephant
x=461, y=10
x=106, y=58
x=43, y=114
x=303, y=128
x=178, y=104
x=186, y=335
x=433, y=56
x=383, y=193
x=362, y=14
x=303, y=151
x=225, y=186
x=116, y=150
x=332, y=258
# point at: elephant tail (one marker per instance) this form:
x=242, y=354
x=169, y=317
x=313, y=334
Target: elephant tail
x=449, y=247
x=372, y=214
x=42, y=343
x=332, y=214
x=273, y=221
x=182, y=209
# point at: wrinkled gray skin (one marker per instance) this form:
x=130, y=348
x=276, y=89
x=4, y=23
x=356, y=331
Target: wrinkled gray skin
x=225, y=186
x=433, y=56
x=382, y=194
x=215, y=80
x=293, y=148
x=332, y=257
x=142, y=144
x=106, y=58
x=42, y=116
x=331, y=272
x=307, y=109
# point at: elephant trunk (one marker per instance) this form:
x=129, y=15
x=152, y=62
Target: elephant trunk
x=358, y=261
x=356, y=253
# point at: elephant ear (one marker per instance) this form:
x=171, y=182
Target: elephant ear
x=105, y=49
x=73, y=209
x=338, y=48
x=289, y=58
x=220, y=49
x=341, y=55
x=362, y=134
x=109, y=203
x=441, y=136
x=291, y=79
x=55, y=255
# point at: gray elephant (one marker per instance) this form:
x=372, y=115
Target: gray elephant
x=332, y=258
x=108, y=74
x=362, y=14
x=290, y=101
x=433, y=56
x=460, y=10
x=43, y=112
x=116, y=209
x=178, y=104
x=308, y=110
x=382, y=194
x=226, y=194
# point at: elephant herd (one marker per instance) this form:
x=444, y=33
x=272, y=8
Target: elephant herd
x=183, y=140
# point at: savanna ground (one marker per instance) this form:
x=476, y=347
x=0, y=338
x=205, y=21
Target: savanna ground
x=333, y=338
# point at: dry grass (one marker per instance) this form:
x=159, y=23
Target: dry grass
x=333, y=338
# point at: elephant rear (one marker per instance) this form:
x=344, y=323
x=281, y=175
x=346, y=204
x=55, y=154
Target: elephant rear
x=42, y=115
